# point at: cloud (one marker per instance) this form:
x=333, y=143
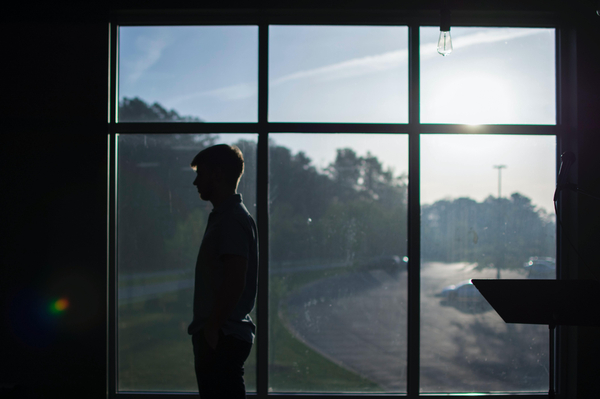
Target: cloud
x=150, y=50
x=351, y=68
x=394, y=59
x=429, y=50
x=228, y=93
x=354, y=67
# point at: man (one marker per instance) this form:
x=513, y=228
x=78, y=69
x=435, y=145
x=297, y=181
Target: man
x=225, y=281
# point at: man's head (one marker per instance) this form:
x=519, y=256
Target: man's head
x=218, y=170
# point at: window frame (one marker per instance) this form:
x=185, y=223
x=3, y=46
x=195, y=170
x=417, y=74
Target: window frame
x=562, y=130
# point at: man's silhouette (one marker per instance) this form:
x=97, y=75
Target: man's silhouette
x=225, y=281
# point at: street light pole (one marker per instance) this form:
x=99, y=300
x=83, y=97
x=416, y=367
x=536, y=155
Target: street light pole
x=499, y=167
x=501, y=217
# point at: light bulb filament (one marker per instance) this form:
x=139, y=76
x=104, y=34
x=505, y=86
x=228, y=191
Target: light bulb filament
x=444, y=46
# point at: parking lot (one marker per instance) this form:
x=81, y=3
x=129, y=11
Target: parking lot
x=358, y=320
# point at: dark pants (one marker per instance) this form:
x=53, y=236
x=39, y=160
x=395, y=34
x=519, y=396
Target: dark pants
x=220, y=373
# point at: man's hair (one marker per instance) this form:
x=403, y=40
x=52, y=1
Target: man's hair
x=227, y=158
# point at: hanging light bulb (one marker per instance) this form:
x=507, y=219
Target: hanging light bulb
x=444, y=46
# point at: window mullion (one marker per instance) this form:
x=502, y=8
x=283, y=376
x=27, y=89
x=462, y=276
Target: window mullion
x=111, y=335
x=414, y=227
x=262, y=200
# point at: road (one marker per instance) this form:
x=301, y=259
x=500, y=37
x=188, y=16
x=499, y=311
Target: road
x=144, y=292
x=358, y=320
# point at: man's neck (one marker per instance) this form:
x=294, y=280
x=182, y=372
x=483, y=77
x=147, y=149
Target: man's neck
x=221, y=197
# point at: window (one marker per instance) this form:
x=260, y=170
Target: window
x=337, y=264
x=474, y=231
x=502, y=76
x=160, y=223
x=331, y=74
x=382, y=177
x=206, y=73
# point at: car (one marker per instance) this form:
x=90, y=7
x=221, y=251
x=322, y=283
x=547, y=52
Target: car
x=389, y=263
x=462, y=292
x=540, y=268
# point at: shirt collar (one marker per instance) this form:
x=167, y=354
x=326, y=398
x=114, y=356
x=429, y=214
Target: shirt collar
x=228, y=203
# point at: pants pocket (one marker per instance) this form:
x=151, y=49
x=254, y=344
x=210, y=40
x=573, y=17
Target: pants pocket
x=204, y=356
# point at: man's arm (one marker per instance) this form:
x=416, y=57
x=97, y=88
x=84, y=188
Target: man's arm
x=227, y=295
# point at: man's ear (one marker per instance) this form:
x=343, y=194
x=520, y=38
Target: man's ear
x=220, y=177
x=218, y=172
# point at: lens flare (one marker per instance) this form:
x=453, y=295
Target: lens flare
x=59, y=305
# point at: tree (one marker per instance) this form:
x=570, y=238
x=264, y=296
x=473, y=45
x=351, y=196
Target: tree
x=352, y=210
x=155, y=194
x=137, y=110
x=500, y=233
x=345, y=172
x=299, y=197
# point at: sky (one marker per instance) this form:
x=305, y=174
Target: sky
x=360, y=74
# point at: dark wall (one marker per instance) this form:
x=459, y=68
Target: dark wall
x=54, y=167
x=588, y=220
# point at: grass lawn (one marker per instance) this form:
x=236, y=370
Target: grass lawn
x=155, y=351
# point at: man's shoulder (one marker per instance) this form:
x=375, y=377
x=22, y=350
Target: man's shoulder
x=240, y=211
x=239, y=214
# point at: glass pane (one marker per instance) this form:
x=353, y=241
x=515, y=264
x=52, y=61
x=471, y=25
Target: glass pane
x=337, y=278
x=486, y=213
x=338, y=74
x=188, y=74
x=493, y=76
x=161, y=222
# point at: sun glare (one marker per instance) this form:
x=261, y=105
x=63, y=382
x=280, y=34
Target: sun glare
x=477, y=99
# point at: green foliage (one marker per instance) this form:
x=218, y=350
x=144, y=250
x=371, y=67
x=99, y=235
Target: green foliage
x=155, y=351
x=155, y=194
x=352, y=210
x=182, y=248
x=137, y=110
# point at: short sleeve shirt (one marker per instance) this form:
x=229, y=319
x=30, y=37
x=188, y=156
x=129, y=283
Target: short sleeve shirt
x=230, y=230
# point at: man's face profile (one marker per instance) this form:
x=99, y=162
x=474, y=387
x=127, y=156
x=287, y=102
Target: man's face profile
x=204, y=182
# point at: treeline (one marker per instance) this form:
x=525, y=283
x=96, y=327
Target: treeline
x=137, y=110
x=351, y=211
x=499, y=233
x=354, y=210
x=161, y=220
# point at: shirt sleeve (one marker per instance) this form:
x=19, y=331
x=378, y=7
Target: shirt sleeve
x=234, y=238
